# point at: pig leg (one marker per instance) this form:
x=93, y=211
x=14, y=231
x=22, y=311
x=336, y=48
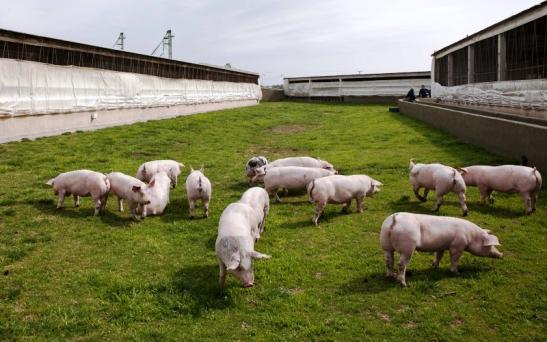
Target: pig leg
x=104, y=199
x=438, y=257
x=455, y=254
x=120, y=204
x=534, y=198
x=318, y=211
x=438, y=202
x=345, y=207
x=61, y=200
x=461, y=196
x=277, y=199
x=191, y=207
x=76, y=200
x=527, y=202
x=389, y=264
x=417, y=193
x=360, y=200
x=98, y=206
x=404, y=259
x=206, y=208
x=222, y=273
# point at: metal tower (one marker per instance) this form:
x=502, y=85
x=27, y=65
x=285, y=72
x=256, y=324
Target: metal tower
x=167, y=41
x=119, y=41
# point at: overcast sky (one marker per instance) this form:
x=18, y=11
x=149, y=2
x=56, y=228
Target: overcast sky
x=274, y=38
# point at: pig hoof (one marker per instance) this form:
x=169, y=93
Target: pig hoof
x=465, y=212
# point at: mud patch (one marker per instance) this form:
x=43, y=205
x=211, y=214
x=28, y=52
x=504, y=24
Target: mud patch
x=284, y=129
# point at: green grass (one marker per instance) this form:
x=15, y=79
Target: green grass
x=69, y=275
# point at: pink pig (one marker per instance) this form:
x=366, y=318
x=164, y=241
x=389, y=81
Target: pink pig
x=505, y=178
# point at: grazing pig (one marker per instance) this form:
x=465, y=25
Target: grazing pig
x=198, y=187
x=234, y=246
x=505, y=178
x=340, y=189
x=81, y=183
x=172, y=167
x=294, y=161
x=291, y=178
x=253, y=164
x=406, y=232
x=159, y=194
x=134, y=191
x=259, y=200
x=438, y=177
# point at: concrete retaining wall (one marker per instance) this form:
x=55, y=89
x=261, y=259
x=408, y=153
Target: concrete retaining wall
x=34, y=126
x=504, y=137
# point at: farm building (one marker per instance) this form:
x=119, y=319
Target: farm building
x=372, y=88
x=50, y=86
x=490, y=88
x=503, y=65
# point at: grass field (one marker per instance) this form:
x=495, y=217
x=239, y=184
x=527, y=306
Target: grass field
x=69, y=275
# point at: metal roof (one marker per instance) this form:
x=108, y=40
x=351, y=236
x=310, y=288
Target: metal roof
x=538, y=7
x=31, y=39
x=391, y=75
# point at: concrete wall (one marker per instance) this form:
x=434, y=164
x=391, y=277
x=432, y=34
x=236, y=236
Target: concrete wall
x=34, y=126
x=269, y=94
x=504, y=137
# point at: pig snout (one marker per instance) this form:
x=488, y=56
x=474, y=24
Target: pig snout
x=247, y=285
x=494, y=253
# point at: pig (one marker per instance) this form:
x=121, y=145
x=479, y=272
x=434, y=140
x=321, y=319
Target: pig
x=291, y=178
x=505, y=178
x=252, y=165
x=159, y=194
x=150, y=168
x=259, y=200
x=294, y=161
x=81, y=183
x=131, y=189
x=234, y=246
x=340, y=189
x=198, y=187
x=406, y=232
x=438, y=177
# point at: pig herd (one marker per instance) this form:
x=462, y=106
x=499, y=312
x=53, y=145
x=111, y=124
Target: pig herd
x=242, y=223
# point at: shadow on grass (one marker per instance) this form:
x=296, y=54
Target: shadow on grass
x=423, y=280
x=199, y=290
x=497, y=211
x=48, y=206
x=405, y=203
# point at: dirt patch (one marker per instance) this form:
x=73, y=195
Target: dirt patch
x=135, y=154
x=296, y=291
x=456, y=323
x=409, y=325
x=289, y=129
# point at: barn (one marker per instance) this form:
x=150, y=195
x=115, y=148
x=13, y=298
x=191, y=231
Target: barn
x=503, y=65
x=365, y=88
x=49, y=86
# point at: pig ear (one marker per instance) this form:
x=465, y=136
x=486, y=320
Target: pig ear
x=136, y=188
x=489, y=240
x=181, y=165
x=462, y=170
x=191, y=168
x=376, y=183
x=152, y=183
x=258, y=255
x=202, y=168
x=234, y=262
x=50, y=182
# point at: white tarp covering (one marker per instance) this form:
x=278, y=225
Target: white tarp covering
x=358, y=88
x=37, y=88
x=526, y=94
